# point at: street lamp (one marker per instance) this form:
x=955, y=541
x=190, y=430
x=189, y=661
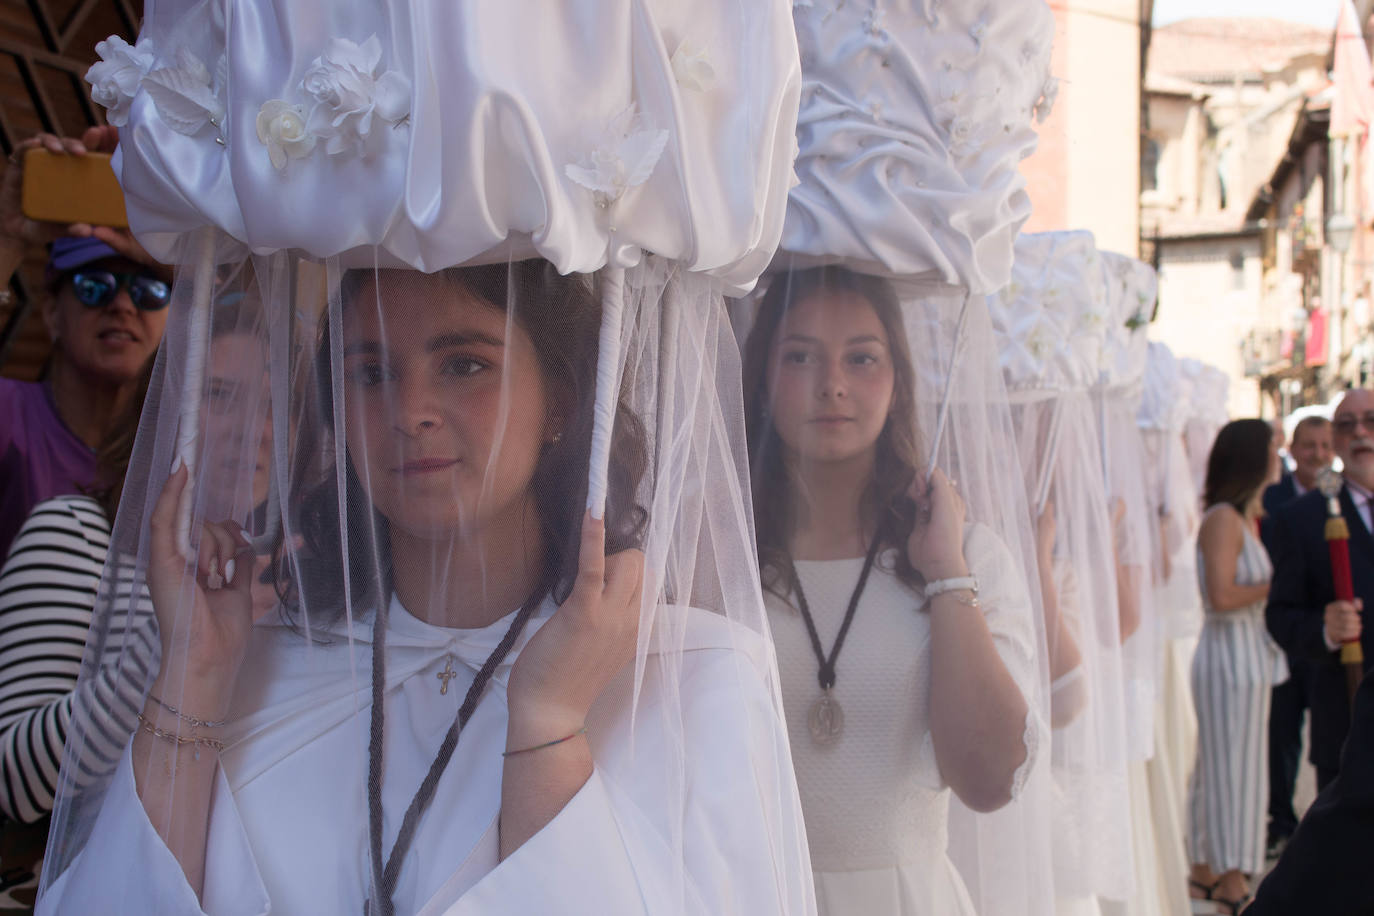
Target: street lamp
x=1340, y=229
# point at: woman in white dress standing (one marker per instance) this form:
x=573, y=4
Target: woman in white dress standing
x=1234, y=669
x=895, y=621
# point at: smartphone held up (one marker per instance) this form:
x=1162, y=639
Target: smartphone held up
x=72, y=189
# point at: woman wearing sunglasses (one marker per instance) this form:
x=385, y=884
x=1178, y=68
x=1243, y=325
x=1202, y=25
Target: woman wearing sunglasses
x=105, y=310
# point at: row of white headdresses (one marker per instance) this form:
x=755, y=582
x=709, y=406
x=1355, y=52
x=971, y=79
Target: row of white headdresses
x=910, y=118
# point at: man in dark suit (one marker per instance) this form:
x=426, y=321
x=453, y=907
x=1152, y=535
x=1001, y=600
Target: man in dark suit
x=1310, y=448
x=1326, y=866
x=1303, y=614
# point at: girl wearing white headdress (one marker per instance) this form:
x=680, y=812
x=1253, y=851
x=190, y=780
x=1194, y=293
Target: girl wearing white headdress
x=904, y=664
x=518, y=661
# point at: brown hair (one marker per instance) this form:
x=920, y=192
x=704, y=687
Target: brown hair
x=235, y=311
x=886, y=509
x=1313, y=422
x=562, y=317
x=1238, y=465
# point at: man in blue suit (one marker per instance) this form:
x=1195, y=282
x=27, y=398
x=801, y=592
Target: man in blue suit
x=1311, y=451
x=1303, y=614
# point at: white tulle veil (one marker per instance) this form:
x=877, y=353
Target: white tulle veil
x=589, y=181
x=1051, y=326
x=913, y=120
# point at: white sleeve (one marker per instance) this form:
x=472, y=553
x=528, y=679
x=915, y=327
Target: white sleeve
x=578, y=863
x=612, y=848
x=124, y=859
x=1005, y=596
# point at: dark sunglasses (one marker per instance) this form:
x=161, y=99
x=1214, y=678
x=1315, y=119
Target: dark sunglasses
x=96, y=289
x=1346, y=425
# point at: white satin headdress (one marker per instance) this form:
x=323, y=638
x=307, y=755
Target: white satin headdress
x=1050, y=320
x=1131, y=292
x=263, y=122
x=1166, y=401
x=915, y=116
x=646, y=126
x=1210, y=387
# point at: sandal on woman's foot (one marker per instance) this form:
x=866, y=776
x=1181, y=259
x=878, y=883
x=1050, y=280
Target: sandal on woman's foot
x=1231, y=907
x=1207, y=889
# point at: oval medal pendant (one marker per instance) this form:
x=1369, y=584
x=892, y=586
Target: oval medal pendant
x=826, y=719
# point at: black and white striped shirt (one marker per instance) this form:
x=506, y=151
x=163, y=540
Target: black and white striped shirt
x=48, y=592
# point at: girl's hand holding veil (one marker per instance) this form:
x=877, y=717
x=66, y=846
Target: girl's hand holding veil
x=203, y=649
x=589, y=639
x=558, y=676
x=936, y=544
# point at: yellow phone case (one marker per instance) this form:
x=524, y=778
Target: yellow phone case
x=72, y=189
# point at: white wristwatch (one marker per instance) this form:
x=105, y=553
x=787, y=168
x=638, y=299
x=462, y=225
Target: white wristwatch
x=962, y=583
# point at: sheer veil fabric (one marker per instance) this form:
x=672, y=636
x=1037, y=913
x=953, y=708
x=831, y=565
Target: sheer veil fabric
x=1208, y=388
x=1118, y=395
x=1051, y=326
x=872, y=390
x=1157, y=828
x=465, y=313
x=1164, y=408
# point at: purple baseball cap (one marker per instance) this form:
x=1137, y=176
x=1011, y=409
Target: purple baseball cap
x=69, y=253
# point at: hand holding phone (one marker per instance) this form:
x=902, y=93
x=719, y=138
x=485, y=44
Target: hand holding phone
x=90, y=204
x=16, y=229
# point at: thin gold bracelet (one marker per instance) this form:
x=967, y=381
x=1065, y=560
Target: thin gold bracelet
x=197, y=741
x=188, y=719
x=540, y=747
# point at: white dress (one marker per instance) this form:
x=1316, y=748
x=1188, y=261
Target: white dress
x=876, y=805
x=288, y=828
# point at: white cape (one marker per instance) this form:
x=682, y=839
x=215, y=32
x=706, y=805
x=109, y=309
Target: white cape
x=288, y=826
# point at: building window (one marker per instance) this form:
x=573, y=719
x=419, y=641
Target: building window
x=1149, y=165
x=1237, y=270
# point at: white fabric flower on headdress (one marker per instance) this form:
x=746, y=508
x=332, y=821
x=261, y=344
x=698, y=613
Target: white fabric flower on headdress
x=692, y=68
x=116, y=76
x=348, y=91
x=1040, y=341
x=281, y=126
x=623, y=158
x=184, y=95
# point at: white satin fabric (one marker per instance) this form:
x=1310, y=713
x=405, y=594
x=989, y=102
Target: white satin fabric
x=1166, y=402
x=1208, y=413
x=1051, y=319
x=1051, y=328
x=1131, y=294
x=1130, y=298
x=288, y=824
x=645, y=124
x=914, y=118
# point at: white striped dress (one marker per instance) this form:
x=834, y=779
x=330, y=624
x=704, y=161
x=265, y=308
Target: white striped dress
x=48, y=590
x=1235, y=666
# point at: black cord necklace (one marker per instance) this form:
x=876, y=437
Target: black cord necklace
x=384, y=876
x=826, y=718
